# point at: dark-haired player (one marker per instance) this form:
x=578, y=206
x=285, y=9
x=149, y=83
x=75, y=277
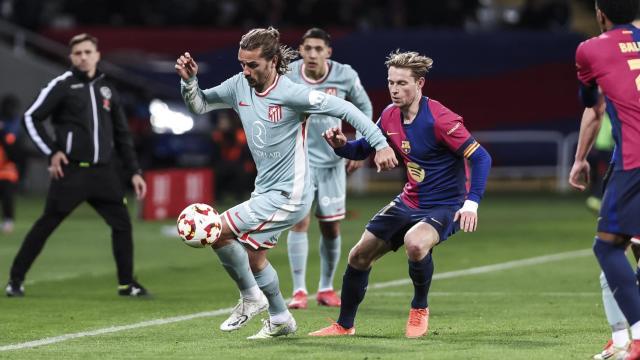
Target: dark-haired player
x=328, y=176
x=611, y=61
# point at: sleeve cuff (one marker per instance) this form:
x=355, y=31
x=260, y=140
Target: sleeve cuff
x=189, y=84
x=469, y=205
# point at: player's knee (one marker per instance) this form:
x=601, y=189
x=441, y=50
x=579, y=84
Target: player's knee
x=330, y=230
x=302, y=225
x=416, y=250
x=257, y=261
x=614, y=239
x=222, y=242
x=417, y=247
x=360, y=259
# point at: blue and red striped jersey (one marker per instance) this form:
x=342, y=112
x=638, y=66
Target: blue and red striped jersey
x=433, y=147
x=612, y=62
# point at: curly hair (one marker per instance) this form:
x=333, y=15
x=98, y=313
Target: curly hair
x=268, y=40
x=618, y=11
x=418, y=64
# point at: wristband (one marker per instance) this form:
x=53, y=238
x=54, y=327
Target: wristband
x=469, y=206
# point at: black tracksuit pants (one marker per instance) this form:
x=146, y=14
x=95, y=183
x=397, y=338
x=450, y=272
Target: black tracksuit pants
x=100, y=186
x=7, y=189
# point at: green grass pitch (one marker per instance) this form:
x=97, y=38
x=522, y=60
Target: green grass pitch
x=550, y=309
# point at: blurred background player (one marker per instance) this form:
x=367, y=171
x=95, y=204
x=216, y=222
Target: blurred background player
x=327, y=170
x=611, y=62
x=90, y=126
x=9, y=153
x=273, y=110
x=434, y=144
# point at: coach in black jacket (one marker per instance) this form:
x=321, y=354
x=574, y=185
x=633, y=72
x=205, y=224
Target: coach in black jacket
x=89, y=123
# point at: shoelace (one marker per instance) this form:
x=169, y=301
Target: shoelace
x=266, y=323
x=415, y=318
x=239, y=306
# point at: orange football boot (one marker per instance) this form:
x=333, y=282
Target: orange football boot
x=418, y=323
x=299, y=300
x=328, y=298
x=634, y=351
x=334, y=329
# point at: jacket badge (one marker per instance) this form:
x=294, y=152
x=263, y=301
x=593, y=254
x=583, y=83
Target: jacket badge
x=106, y=92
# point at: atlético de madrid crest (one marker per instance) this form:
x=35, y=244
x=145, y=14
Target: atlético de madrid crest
x=331, y=91
x=275, y=113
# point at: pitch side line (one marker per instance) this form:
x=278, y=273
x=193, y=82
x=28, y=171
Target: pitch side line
x=446, y=275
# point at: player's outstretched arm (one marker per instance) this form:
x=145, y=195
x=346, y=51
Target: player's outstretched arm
x=186, y=67
x=385, y=159
x=335, y=138
x=352, y=150
x=197, y=100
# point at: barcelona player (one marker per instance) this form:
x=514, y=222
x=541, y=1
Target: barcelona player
x=433, y=143
x=611, y=61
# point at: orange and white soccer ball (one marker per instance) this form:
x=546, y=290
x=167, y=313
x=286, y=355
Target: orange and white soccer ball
x=199, y=225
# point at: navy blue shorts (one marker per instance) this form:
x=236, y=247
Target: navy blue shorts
x=620, y=210
x=394, y=220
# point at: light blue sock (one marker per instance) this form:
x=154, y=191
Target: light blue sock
x=621, y=278
x=267, y=280
x=329, y=258
x=298, y=249
x=235, y=260
x=611, y=309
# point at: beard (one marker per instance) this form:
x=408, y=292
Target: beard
x=252, y=82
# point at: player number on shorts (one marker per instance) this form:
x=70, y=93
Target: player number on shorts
x=634, y=64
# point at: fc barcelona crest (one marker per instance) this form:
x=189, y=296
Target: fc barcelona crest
x=406, y=146
x=331, y=91
x=275, y=113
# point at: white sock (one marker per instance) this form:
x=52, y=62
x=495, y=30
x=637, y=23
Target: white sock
x=635, y=331
x=620, y=338
x=280, y=318
x=298, y=249
x=252, y=294
x=611, y=308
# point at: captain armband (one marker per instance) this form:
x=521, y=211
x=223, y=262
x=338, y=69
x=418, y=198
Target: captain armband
x=471, y=149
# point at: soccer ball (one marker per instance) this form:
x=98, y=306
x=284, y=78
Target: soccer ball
x=199, y=225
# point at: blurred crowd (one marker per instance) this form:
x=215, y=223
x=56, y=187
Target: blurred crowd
x=360, y=14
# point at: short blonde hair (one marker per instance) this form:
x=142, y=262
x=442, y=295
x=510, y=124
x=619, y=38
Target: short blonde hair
x=418, y=64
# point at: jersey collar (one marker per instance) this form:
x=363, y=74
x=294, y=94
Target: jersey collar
x=327, y=69
x=264, y=93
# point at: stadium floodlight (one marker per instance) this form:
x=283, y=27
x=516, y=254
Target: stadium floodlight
x=164, y=120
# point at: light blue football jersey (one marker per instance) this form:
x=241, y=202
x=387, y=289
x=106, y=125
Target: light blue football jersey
x=275, y=122
x=342, y=81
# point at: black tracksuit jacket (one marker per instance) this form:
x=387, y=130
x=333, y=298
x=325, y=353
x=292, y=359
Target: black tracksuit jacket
x=88, y=120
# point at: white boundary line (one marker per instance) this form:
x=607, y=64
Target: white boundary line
x=409, y=294
x=446, y=275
